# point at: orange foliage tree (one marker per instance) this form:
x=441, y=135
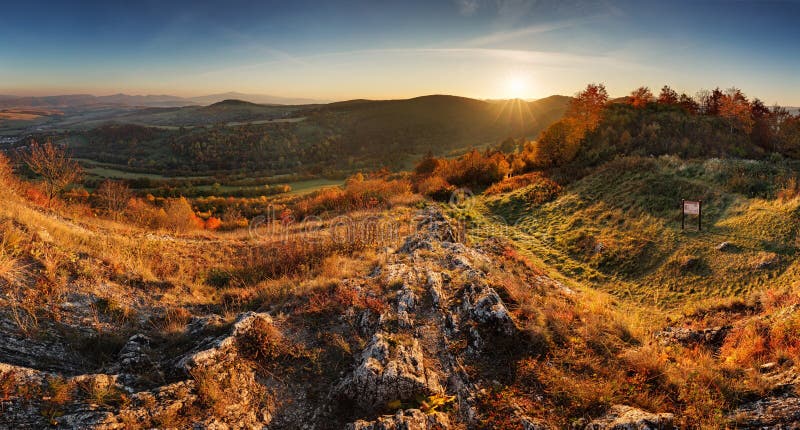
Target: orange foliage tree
x=640, y=97
x=735, y=108
x=560, y=142
x=54, y=165
x=668, y=96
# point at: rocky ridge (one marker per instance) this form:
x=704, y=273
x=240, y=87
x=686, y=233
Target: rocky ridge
x=441, y=317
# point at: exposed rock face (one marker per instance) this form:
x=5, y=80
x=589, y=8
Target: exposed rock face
x=40, y=352
x=135, y=359
x=772, y=413
x=221, y=365
x=411, y=419
x=485, y=306
x=622, y=417
x=391, y=369
x=713, y=336
x=767, y=261
x=42, y=411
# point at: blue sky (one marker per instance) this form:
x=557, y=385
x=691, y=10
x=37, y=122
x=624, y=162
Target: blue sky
x=380, y=49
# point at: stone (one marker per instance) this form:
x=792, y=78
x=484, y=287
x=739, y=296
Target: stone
x=411, y=419
x=726, y=247
x=771, y=412
x=621, y=417
x=390, y=369
x=485, y=306
x=713, y=336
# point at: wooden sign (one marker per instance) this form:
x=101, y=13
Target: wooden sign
x=692, y=207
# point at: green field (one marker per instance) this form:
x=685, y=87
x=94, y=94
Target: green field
x=305, y=187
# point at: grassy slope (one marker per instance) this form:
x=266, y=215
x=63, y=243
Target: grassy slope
x=619, y=230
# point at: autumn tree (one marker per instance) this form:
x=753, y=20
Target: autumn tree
x=552, y=148
x=668, y=96
x=586, y=108
x=761, y=132
x=710, y=101
x=735, y=108
x=640, y=97
x=780, y=122
x=688, y=104
x=54, y=165
x=561, y=142
x=113, y=196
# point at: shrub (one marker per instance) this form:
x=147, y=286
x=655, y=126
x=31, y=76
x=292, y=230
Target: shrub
x=36, y=196
x=143, y=213
x=180, y=216
x=544, y=189
x=7, y=179
x=435, y=187
x=265, y=343
x=213, y=223
x=358, y=193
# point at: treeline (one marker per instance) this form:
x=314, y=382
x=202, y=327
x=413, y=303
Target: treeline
x=596, y=129
x=714, y=123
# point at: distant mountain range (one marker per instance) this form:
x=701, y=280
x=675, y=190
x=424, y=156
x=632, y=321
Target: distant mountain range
x=88, y=100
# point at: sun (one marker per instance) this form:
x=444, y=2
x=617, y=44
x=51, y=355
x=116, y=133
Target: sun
x=517, y=87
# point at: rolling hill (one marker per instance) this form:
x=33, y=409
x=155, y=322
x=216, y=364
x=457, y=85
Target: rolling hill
x=338, y=137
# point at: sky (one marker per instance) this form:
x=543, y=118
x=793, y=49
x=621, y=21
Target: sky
x=337, y=50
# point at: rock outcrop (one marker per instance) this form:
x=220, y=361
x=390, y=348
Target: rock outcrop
x=411, y=419
x=621, y=417
x=771, y=412
x=391, y=369
x=713, y=336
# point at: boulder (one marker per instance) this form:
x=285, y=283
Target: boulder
x=485, y=306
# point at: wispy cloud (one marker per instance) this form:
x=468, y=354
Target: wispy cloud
x=557, y=60
x=523, y=32
x=467, y=7
x=504, y=36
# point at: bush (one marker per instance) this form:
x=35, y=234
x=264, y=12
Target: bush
x=6, y=173
x=144, y=214
x=358, y=193
x=213, y=223
x=180, y=217
x=545, y=187
x=436, y=188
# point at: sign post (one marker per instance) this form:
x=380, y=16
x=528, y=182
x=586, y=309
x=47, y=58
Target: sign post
x=692, y=207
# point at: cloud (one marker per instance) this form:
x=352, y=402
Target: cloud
x=467, y=7
x=502, y=36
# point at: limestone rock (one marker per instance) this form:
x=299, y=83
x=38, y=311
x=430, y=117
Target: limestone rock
x=485, y=306
x=411, y=419
x=713, y=336
x=621, y=417
x=771, y=412
x=389, y=369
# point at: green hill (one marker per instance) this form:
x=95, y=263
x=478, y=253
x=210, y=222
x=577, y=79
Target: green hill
x=619, y=228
